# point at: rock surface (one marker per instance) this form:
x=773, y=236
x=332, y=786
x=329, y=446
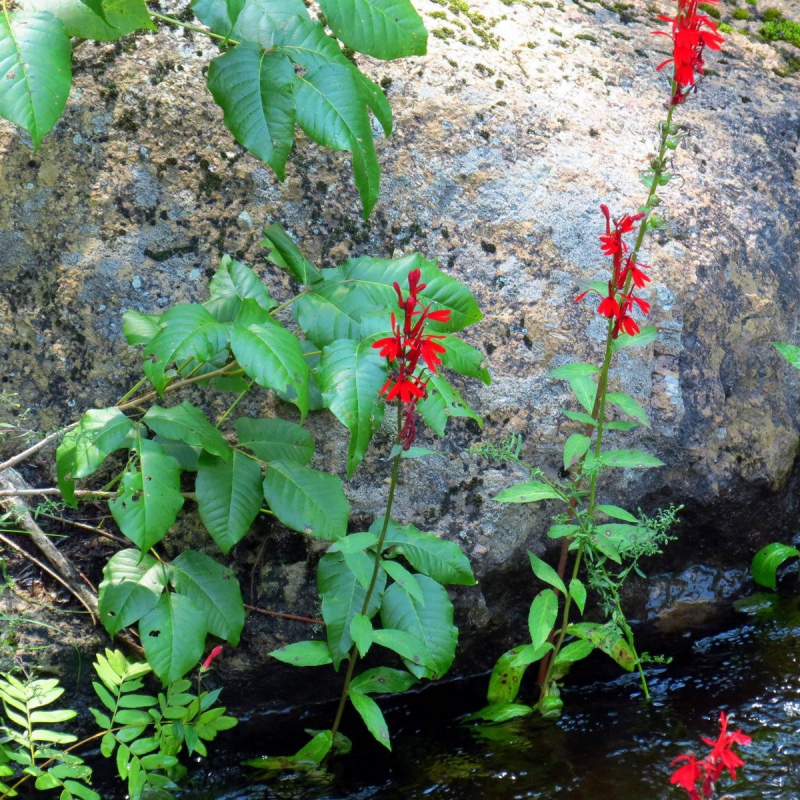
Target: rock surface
x=522, y=119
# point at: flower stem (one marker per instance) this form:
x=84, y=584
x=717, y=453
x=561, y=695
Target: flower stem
x=205, y=31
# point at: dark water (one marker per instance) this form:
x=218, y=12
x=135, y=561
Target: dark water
x=609, y=743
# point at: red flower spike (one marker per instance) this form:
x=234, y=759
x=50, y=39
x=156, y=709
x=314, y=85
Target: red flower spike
x=608, y=307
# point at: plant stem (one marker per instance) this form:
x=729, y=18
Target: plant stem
x=353, y=658
x=233, y=405
x=194, y=28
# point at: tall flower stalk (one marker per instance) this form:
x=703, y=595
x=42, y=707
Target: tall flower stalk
x=606, y=541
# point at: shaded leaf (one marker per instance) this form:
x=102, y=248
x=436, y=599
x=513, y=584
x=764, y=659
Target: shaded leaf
x=275, y=439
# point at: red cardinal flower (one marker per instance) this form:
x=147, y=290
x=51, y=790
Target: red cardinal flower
x=404, y=349
x=206, y=665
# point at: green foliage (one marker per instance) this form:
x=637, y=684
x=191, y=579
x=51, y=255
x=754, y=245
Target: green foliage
x=280, y=68
x=781, y=29
x=767, y=561
x=741, y=14
x=710, y=9
x=789, y=352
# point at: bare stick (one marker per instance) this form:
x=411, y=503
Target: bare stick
x=283, y=615
x=34, y=448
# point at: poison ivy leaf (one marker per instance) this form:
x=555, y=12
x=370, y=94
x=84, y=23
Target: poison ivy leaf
x=385, y=29
x=767, y=560
x=361, y=631
x=272, y=357
x=262, y=20
x=229, y=496
x=150, y=496
x=440, y=559
x=575, y=448
x=383, y=680
x=304, y=654
x=83, y=449
x=544, y=572
x=287, y=255
x=214, y=590
x=139, y=328
x=529, y=492
x=232, y=285
x=350, y=376
x=131, y=586
x=275, y=439
x=542, y=616
x=629, y=459
x=569, y=371
x=608, y=639
x=647, y=335
x=354, y=542
x=629, y=406
x=35, y=70
x=173, y=635
x=254, y=88
x=429, y=622
x=97, y=7
x=332, y=111
x=342, y=598
x=187, y=423
x=406, y=580
x=372, y=716
x=464, y=359
x=442, y=402
x=121, y=17
x=331, y=311
x=577, y=592
x=789, y=352
x=188, y=331
x=306, y=499
x=186, y=456
x=505, y=680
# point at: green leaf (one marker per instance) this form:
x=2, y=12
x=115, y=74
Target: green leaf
x=139, y=328
x=229, y=496
x=409, y=647
x=430, y=623
x=316, y=750
x=529, y=492
x=502, y=712
x=542, y=616
x=173, y=635
x=440, y=559
x=272, y=357
x=52, y=717
x=767, y=560
x=361, y=565
x=372, y=716
x=575, y=448
x=354, y=542
x=342, y=598
x=35, y=70
x=306, y=499
x=383, y=680
x=385, y=29
x=569, y=371
x=187, y=423
x=188, y=331
x=629, y=406
x=214, y=590
x=83, y=449
x=254, y=88
x=557, y=531
x=287, y=255
x=233, y=284
x=275, y=439
x=331, y=311
x=505, y=680
x=304, y=654
x=617, y=513
x=361, y=631
x=608, y=639
x=572, y=652
x=789, y=352
x=607, y=544
x=585, y=389
x=150, y=495
x=121, y=17
x=621, y=425
x=464, y=359
x=442, y=402
x=530, y=654
x=405, y=579
x=132, y=585
x=544, y=572
x=577, y=591
x=350, y=376
x=629, y=459
x=647, y=335
x=579, y=416
x=331, y=110
x=186, y=456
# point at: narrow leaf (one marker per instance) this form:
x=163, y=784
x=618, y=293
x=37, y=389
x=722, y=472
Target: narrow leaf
x=530, y=492
x=629, y=406
x=544, y=572
x=629, y=459
x=287, y=255
x=373, y=718
x=575, y=448
x=304, y=654
x=542, y=616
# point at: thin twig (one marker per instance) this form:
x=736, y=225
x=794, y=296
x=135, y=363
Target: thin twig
x=283, y=615
x=84, y=526
x=34, y=448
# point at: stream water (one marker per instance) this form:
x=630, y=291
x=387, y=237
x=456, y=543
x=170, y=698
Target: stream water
x=608, y=744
